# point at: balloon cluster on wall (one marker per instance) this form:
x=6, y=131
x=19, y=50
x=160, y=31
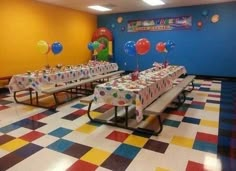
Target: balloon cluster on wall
x=95, y=46
x=44, y=47
x=141, y=47
x=205, y=14
x=165, y=47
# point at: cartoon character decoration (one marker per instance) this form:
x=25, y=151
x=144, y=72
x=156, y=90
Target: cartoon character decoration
x=101, y=44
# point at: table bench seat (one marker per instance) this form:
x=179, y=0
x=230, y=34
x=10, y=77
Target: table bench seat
x=156, y=108
x=67, y=87
x=161, y=103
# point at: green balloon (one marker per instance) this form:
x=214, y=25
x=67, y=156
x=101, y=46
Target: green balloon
x=96, y=44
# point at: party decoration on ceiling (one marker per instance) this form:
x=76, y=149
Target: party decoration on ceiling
x=142, y=46
x=102, y=44
x=43, y=47
x=119, y=19
x=215, y=18
x=160, y=24
x=56, y=48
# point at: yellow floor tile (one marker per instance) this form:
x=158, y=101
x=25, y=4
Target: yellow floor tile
x=136, y=141
x=161, y=169
x=212, y=108
x=95, y=114
x=28, y=108
x=86, y=128
x=182, y=141
x=14, y=145
x=213, y=124
x=95, y=156
x=202, y=94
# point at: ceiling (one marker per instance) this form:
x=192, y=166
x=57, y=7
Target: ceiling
x=120, y=6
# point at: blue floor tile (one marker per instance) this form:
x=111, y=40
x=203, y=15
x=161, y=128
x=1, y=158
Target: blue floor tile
x=9, y=128
x=60, y=132
x=60, y=145
x=191, y=120
x=171, y=123
x=205, y=146
x=127, y=151
x=78, y=106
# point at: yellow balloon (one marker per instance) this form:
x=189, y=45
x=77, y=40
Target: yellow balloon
x=43, y=47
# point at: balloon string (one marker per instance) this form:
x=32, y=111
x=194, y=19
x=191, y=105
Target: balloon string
x=47, y=59
x=137, y=62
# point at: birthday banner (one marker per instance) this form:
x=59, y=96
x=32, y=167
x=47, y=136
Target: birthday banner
x=160, y=24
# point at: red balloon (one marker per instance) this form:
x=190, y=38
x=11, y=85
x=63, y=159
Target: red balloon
x=160, y=47
x=199, y=24
x=142, y=46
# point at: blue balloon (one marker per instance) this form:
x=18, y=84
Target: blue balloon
x=56, y=48
x=169, y=45
x=130, y=48
x=90, y=46
x=205, y=13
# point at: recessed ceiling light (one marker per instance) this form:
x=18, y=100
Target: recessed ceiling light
x=154, y=2
x=99, y=8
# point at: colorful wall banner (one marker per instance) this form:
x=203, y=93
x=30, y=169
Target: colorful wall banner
x=160, y=24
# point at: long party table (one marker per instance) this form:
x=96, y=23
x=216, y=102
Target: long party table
x=38, y=81
x=150, y=85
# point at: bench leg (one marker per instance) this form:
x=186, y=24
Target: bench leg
x=161, y=126
x=117, y=120
x=31, y=101
x=190, y=90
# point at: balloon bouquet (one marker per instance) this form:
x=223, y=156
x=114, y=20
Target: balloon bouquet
x=44, y=48
x=141, y=47
x=95, y=46
x=165, y=47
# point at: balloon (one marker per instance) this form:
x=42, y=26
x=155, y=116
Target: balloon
x=56, y=48
x=90, y=46
x=101, y=46
x=129, y=48
x=160, y=47
x=95, y=44
x=43, y=47
x=199, y=24
x=123, y=28
x=142, y=46
x=205, y=13
x=169, y=45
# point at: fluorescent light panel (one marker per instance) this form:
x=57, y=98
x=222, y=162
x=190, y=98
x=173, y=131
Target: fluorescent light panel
x=154, y=2
x=99, y=8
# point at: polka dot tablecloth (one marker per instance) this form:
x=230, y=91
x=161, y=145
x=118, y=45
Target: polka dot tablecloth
x=142, y=92
x=42, y=80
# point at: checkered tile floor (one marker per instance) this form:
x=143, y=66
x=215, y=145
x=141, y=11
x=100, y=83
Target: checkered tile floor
x=200, y=135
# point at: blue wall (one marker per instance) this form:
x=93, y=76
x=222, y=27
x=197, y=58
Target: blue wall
x=209, y=51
